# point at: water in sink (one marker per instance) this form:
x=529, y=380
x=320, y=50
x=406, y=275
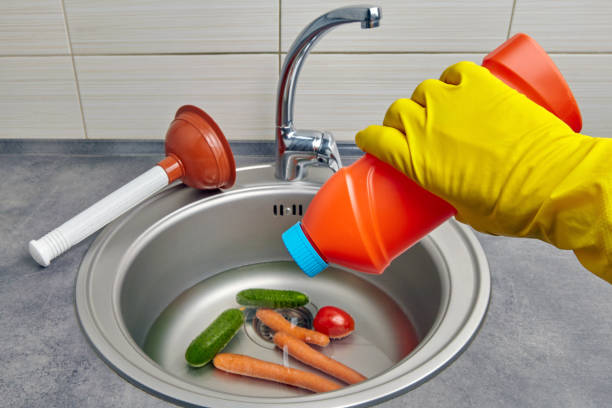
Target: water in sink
x=383, y=334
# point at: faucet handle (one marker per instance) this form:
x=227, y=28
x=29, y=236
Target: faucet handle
x=328, y=153
x=307, y=148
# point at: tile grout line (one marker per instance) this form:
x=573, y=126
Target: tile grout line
x=145, y=54
x=511, y=19
x=74, y=70
x=280, y=28
x=284, y=52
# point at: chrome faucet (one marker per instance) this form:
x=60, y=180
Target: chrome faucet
x=298, y=149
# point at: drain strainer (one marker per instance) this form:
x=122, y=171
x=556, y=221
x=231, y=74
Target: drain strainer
x=262, y=335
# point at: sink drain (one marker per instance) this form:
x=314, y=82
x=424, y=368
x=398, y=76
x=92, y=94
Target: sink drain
x=298, y=317
x=262, y=335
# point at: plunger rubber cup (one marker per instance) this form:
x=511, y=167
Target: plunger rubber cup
x=198, y=152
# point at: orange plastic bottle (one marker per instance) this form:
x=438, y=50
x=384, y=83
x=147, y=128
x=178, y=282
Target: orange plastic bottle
x=368, y=213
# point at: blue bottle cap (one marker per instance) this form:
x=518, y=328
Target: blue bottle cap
x=302, y=251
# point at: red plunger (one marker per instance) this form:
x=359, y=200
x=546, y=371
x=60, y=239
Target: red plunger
x=196, y=153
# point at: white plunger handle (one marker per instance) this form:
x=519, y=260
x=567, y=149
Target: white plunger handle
x=98, y=215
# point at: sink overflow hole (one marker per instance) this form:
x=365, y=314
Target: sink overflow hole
x=299, y=316
x=281, y=210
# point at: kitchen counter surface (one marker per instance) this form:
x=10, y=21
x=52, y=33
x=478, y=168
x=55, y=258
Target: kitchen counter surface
x=546, y=341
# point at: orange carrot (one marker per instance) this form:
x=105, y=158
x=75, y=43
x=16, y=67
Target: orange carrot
x=277, y=322
x=307, y=355
x=253, y=367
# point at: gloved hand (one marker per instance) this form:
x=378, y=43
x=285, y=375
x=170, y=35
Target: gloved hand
x=506, y=164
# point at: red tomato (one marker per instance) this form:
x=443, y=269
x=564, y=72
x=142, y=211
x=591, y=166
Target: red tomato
x=334, y=322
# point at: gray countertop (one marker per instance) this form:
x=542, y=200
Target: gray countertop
x=546, y=341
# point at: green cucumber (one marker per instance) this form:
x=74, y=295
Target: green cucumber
x=271, y=298
x=214, y=338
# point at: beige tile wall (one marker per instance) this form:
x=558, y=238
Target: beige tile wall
x=119, y=69
x=38, y=98
x=137, y=96
x=32, y=27
x=170, y=27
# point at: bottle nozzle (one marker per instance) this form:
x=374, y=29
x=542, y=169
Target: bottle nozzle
x=302, y=251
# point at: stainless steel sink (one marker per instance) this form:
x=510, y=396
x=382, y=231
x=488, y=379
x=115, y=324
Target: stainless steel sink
x=156, y=277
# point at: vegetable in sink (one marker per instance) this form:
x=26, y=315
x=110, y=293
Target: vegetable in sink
x=271, y=298
x=334, y=322
x=214, y=338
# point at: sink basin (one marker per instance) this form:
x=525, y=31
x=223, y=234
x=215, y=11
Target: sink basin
x=159, y=275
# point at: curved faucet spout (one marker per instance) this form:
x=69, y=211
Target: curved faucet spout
x=369, y=17
x=307, y=148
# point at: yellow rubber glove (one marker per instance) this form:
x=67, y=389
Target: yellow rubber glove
x=506, y=164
